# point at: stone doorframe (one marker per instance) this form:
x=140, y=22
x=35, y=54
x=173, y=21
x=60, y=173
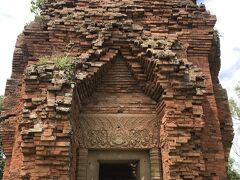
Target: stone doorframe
x=149, y=162
x=132, y=136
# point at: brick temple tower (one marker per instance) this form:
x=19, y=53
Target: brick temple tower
x=117, y=89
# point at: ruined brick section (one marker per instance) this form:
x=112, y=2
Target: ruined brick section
x=133, y=60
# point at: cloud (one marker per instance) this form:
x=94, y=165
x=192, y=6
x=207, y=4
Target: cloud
x=229, y=72
x=236, y=49
x=200, y=1
x=227, y=12
x=6, y=15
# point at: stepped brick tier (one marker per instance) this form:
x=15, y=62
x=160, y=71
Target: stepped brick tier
x=143, y=89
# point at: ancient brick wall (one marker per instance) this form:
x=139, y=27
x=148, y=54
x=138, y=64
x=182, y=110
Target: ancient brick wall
x=169, y=67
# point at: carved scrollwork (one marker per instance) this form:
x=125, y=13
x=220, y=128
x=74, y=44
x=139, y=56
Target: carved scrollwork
x=140, y=137
x=117, y=132
x=97, y=137
x=119, y=137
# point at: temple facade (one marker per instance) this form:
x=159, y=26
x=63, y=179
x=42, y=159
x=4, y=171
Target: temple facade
x=117, y=90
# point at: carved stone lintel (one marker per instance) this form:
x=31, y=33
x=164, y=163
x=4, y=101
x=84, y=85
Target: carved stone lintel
x=115, y=131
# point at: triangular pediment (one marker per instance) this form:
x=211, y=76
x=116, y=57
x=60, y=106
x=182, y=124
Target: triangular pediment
x=119, y=92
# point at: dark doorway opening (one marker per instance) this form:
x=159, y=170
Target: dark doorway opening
x=118, y=171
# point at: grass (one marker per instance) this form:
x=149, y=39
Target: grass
x=61, y=62
x=64, y=63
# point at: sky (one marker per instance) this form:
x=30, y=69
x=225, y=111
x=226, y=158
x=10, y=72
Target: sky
x=14, y=14
x=228, y=15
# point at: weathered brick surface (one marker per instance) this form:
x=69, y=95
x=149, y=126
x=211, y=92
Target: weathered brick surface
x=131, y=57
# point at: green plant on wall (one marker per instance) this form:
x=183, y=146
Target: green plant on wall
x=36, y=6
x=61, y=62
x=44, y=60
x=64, y=63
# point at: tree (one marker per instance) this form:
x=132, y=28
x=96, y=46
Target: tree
x=36, y=6
x=232, y=173
x=2, y=162
x=1, y=103
x=235, y=111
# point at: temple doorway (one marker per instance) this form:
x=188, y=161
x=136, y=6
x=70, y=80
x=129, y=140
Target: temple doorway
x=118, y=171
x=117, y=165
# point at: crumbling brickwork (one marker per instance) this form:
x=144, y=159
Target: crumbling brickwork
x=151, y=65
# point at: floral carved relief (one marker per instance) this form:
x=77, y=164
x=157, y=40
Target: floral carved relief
x=113, y=131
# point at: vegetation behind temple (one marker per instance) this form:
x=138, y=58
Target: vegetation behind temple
x=1, y=150
x=36, y=6
x=1, y=103
x=235, y=110
x=232, y=173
